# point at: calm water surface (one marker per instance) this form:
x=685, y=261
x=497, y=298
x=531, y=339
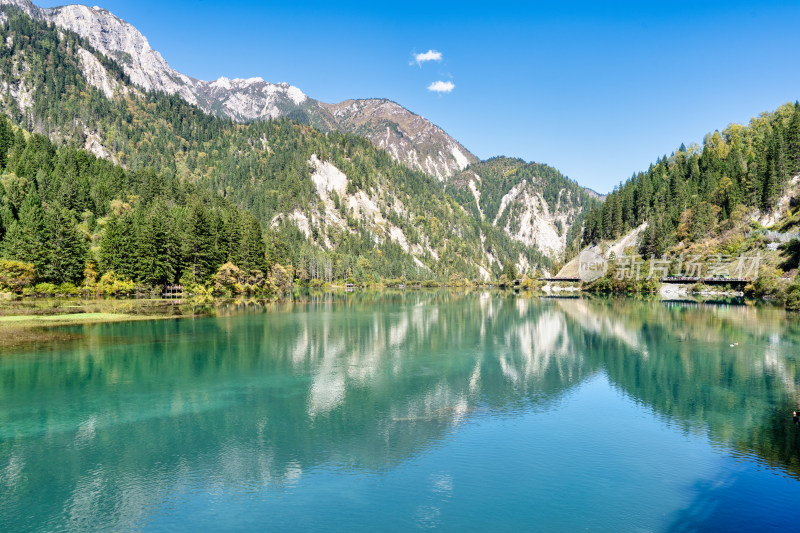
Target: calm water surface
x=398, y=412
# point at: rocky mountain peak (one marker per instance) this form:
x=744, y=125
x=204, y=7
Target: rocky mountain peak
x=122, y=42
x=25, y=5
x=409, y=138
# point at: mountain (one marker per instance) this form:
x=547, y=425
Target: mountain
x=67, y=216
x=56, y=83
x=323, y=198
x=531, y=202
x=737, y=196
x=409, y=138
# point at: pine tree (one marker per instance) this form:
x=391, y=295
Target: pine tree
x=642, y=198
x=793, y=141
x=510, y=270
x=608, y=217
x=118, y=247
x=157, y=252
x=27, y=238
x=781, y=163
x=6, y=217
x=67, y=247
x=277, y=246
x=6, y=139
x=232, y=236
x=128, y=253
x=754, y=185
x=109, y=244
x=198, y=245
x=627, y=206
x=616, y=223
x=777, y=173
x=703, y=221
x=656, y=239
x=252, y=251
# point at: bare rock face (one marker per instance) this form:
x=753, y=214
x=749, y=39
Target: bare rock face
x=526, y=217
x=409, y=138
x=250, y=99
x=532, y=203
x=25, y=5
x=122, y=42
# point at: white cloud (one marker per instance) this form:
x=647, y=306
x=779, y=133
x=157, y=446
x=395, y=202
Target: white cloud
x=430, y=55
x=442, y=86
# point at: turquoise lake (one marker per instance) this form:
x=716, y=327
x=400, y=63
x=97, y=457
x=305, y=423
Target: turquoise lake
x=406, y=411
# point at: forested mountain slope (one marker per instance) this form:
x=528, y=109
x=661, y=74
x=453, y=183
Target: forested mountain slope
x=326, y=198
x=531, y=202
x=409, y=138
x=75, y=217
x=736, y=196
x=741, y=172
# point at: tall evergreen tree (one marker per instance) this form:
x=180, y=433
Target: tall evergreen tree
x=642, y=197
x=118, y=247
x=27, y=238
x=157, y=249
x=793, y=141
x=252, y=250
x=776, y=170
x=198, y=244
x=6, y=139
x=66, y=248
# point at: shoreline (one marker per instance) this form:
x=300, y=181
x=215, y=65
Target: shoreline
x=28, y=322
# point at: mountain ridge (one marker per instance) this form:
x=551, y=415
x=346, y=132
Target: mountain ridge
x=736, y=199
x=519, y=197
x=327, y=197
x=244, y=100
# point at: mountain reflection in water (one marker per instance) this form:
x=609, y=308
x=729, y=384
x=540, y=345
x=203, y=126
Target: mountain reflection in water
x=260, y=396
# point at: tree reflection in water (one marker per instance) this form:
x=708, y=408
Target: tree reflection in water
x=260, y=394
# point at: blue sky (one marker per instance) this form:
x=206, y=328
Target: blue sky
x=597, y=90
